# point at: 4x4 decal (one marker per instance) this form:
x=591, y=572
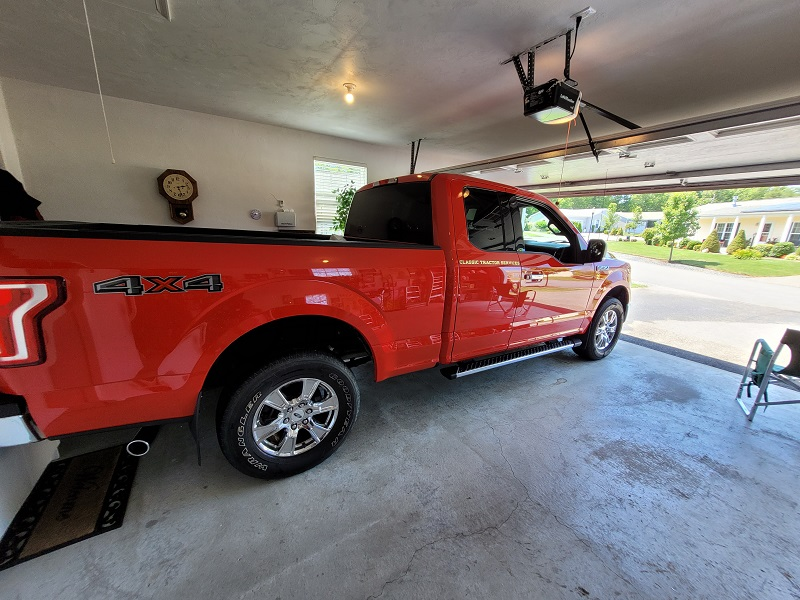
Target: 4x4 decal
x=131, y=285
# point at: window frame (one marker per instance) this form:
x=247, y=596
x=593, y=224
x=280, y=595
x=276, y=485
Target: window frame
x=508, y=240
x=794, y=232
x=328, y=205
x=571, y=256
x=762, y=239
x=726, y=235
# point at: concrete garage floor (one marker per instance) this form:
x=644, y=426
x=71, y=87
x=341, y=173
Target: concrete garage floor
x=633, y=477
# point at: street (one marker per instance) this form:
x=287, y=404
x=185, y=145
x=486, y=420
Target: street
x=709, y=313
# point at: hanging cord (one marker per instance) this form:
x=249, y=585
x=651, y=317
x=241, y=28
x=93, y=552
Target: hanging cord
x=564, y=160
x=575, y=42
x=570, y=54
x=99, y=89
x=605, y=190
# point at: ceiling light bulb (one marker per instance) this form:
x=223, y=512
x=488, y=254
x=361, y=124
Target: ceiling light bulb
x=348, y=97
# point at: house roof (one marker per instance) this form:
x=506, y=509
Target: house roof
x=587, y=213
x=583, y=213
x=751, y=207
x=654, y=215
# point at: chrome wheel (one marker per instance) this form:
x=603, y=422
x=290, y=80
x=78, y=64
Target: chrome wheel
x=295, y=417
x=606, y=329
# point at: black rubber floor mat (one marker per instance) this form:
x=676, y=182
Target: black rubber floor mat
x=74, y=499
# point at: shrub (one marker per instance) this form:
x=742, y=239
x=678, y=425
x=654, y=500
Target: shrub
x=797, y=251
x=782, y=249
x=747, y=254
x=578, y=226
x=711, y=243
x=739, y=242
x=764, y=249
x=344, y=198
x=684, y=243
x=791, y=257
x=694, y=245
x=648, y=235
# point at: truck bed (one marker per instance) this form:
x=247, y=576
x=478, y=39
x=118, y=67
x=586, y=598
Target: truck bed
x=119, y=231
x=149, y=309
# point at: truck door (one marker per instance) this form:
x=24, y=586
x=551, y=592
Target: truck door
x=488, y=276
x=555, y=287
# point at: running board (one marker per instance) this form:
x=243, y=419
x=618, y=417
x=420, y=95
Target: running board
x=484, y=364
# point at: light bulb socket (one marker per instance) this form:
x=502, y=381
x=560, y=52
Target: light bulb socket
x=349, y=95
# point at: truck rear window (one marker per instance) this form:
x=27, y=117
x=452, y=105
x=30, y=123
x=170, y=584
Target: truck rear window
x=394, y=213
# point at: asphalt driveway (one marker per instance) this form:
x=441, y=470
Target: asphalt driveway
x=711, y=314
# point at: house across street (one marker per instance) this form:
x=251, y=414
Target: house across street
x=763, y=221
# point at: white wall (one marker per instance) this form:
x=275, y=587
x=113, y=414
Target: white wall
x=20, y=466
x=239, y=165
x=9, y=158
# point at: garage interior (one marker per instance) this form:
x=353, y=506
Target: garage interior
x=632, y=477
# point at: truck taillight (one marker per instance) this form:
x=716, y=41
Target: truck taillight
x=23, y=303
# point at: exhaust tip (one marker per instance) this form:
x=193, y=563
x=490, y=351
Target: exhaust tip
x=137, y=448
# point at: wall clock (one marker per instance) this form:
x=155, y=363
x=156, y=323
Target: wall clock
x=180, y=190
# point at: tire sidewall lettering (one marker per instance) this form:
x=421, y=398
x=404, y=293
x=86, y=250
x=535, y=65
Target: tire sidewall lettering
x=349, y=402
x=240, y=446
x=241, y=430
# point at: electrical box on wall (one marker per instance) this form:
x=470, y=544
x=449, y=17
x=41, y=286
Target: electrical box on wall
x=285, y=219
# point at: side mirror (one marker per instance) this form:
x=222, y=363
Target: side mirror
x=596, y=251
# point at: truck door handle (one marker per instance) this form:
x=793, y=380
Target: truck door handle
x=533, y=276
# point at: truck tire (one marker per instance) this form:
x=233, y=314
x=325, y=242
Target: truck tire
x=603, y=333
x=289, y=416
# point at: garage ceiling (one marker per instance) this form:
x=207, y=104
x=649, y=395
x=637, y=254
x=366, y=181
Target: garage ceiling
x=423, y=68
x=753, y=147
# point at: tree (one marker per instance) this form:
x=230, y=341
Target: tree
x=344, y=198
x=680, y=219
x=610, y=219
x=739, y=242
x=651, y=202
x=634, y=223
x=711, y=243
x=656, y=202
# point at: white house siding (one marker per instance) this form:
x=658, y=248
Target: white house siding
x=763, y=221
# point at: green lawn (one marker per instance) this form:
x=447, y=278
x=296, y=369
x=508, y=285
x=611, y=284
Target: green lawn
x=766, y=267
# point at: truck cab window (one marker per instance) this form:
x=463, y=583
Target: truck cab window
x=489, y=224
x=399, y=212
x=540, y=231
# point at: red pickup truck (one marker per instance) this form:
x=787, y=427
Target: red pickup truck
x=107, y=326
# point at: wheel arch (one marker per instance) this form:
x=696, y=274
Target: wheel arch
x=276, y=338
x=621, y=293
x=261, y=345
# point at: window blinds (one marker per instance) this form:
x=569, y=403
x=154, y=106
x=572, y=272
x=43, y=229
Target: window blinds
x=328, y=177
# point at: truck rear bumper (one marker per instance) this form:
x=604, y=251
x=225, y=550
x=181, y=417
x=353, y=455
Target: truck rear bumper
x=15, y=431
